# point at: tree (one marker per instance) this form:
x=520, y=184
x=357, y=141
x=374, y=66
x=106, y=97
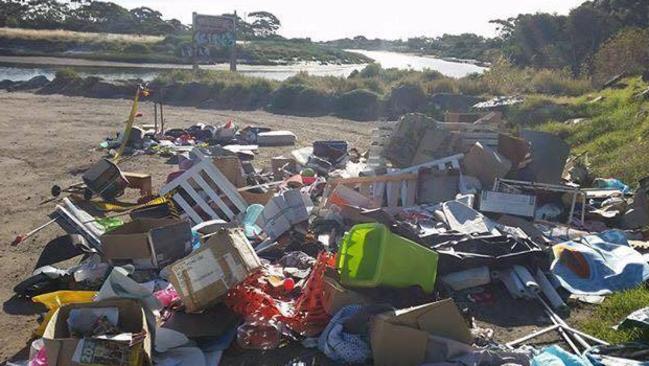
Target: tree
x=11, y=11
x=264, y=24
x=626, y=52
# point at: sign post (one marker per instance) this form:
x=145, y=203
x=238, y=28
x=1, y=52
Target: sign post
x=217, y=31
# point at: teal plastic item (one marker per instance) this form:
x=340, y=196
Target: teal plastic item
x=371, y=256
x=249, y=227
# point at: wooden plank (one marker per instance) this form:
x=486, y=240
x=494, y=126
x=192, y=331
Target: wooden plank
x=196, y=218
x=214, y=196
x=375, y=179
x=198, y=199
x=393, y=193
x=411, y=193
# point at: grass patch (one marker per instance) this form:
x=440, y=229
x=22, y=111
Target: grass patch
x=65, y=35
x=615, y=134
x=612, y=311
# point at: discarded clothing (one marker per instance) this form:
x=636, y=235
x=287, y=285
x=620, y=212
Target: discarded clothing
x=340, y=346
x=599, y=265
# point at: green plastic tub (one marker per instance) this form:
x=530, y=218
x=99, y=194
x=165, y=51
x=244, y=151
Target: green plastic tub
x=370, y=256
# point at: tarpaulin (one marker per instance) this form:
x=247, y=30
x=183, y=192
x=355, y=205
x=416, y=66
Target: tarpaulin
x=599, y=264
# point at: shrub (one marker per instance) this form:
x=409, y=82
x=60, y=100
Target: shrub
x=626, y=52
x=299, y=99
x=67, y=74
x=359, y=105
x=137, y=48
x=555, y=82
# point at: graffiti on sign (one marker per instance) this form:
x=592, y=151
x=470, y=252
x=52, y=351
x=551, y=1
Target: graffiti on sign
x=210, y=30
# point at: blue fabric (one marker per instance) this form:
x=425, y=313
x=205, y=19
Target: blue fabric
x=557, y=356
x=613, y=265
x=340, y=346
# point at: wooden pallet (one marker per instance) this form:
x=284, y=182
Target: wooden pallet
x=471, y=133
x=395, y=190
x=204, y=186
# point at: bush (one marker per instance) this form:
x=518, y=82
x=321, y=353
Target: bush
x=137, y=48
x=359, y=105
x=446, y=85
x=556, y=82
x=626, y=52
x=67, y=75
x=300, y=100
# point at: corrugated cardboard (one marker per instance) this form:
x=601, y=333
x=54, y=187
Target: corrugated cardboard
x=60, y=346
x=335, y=296
x=485, y=164
x=401, y=337
x=204, y=277
x=147, y=243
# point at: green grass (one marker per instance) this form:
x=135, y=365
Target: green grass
x=615, y=135
x=612, y=311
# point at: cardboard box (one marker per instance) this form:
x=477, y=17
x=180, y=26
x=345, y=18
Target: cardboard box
x=61, y=346
x=204, y=277
x=148, y=243
x=335, y=296
x=401, y=337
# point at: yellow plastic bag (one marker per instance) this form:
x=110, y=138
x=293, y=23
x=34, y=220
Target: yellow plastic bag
x=55, y=300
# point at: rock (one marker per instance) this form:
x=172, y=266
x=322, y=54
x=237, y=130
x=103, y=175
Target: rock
x=405, y=99
x=36, y=82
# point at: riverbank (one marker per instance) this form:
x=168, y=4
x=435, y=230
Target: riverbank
x=170, y=49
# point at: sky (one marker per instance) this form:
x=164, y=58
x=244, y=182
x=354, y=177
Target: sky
x=332, y=19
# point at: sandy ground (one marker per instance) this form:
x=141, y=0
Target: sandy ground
x=45, y=140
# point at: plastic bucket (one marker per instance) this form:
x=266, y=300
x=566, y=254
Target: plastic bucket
x=370, y=256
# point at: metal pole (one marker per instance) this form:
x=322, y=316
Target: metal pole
x=155, y=116
x=533, y=335
x=194, y=46
x=585, y=335
x=563, y=334
x=556, y=318
x=233, y=50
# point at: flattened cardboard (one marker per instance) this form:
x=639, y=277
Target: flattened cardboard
x=335, y=296
x=147, y=243
x=203, y=278
x=401, y=337
x=60, y=346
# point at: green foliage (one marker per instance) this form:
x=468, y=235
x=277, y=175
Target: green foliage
x=360, y=105
x=67, y=74
x=612, y=311
x=614, y=135
x=627, y=52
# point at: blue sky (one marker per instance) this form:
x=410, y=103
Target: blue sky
x=330, y=19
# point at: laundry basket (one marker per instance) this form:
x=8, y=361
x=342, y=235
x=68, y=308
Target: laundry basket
x=370, y=256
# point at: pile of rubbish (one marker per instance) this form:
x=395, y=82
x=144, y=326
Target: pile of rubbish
x=366, y=257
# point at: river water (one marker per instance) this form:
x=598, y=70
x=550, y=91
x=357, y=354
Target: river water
x=24, y=68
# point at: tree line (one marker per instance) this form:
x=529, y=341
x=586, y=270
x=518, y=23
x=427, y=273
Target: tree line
x=105, y=16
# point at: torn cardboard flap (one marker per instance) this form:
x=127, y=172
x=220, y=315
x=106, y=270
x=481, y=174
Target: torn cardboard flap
x=147, y=243
x=401, y=337
x=203, y=278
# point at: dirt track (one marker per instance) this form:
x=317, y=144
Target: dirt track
x=45, y=139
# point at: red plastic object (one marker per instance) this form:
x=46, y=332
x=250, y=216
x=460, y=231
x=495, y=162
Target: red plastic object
x=304, y=315
x=308, y=180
